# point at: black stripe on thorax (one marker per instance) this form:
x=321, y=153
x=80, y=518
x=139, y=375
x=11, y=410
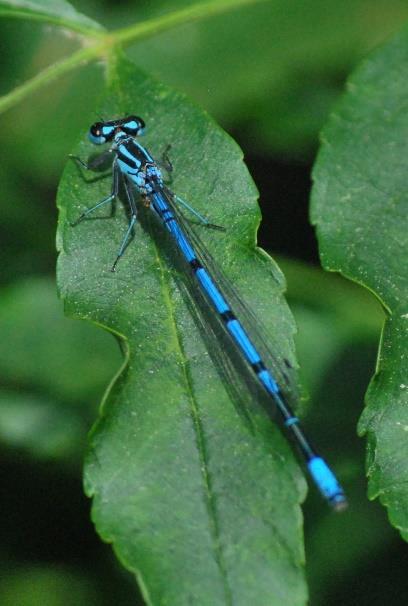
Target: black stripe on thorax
x=128, y=161
x=139, y=152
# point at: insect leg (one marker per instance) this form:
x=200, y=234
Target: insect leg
x=133, y=218
x=112, y=195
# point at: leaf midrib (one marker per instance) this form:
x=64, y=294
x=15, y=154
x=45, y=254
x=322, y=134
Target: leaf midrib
x=198, y=429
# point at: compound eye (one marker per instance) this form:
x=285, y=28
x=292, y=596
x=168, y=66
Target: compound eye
x=133, y=125
x=101, y=132
x=96, y=129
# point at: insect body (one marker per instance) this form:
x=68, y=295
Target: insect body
x=138, y=171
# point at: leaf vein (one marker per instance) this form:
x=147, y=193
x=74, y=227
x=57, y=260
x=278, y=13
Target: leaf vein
x=200, y=438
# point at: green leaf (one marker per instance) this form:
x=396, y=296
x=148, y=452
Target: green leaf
x=58, y=12
x=198, y=499
x=360, y=202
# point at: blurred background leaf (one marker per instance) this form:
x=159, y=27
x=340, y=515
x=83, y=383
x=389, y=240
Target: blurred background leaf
x=58, y=12
x=271, y=71
x=359, y=206
x=54, y=586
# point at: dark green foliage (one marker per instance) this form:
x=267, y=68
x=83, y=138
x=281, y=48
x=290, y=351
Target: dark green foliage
x=360, y=205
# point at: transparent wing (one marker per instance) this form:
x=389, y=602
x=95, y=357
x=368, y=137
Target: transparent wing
x=280, y=367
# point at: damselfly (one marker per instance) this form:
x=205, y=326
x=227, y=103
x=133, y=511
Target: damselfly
x=138, y=172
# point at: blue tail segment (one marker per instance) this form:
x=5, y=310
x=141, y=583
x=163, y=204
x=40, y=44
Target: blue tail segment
x=138, y=171
x=327, y=482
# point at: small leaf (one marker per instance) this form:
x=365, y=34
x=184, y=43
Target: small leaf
x=360, y=204
x=58, y=12
x=200, y=504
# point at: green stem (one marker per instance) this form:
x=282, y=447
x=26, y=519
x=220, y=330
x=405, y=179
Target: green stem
x=106, y=42
x=48, y=75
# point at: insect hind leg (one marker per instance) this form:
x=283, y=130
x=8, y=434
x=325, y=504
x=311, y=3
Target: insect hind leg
x=133, y=219
x=112, y=196
x=203, y=220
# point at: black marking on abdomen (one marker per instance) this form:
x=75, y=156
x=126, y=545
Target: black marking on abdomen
x=227, y=316
x=195, y=264
x=258, y=366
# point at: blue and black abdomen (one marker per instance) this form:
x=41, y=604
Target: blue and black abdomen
x=134, y=164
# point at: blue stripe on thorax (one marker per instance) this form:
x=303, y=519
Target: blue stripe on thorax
x=138, y=150
x=132, y=157
x=124, y=152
